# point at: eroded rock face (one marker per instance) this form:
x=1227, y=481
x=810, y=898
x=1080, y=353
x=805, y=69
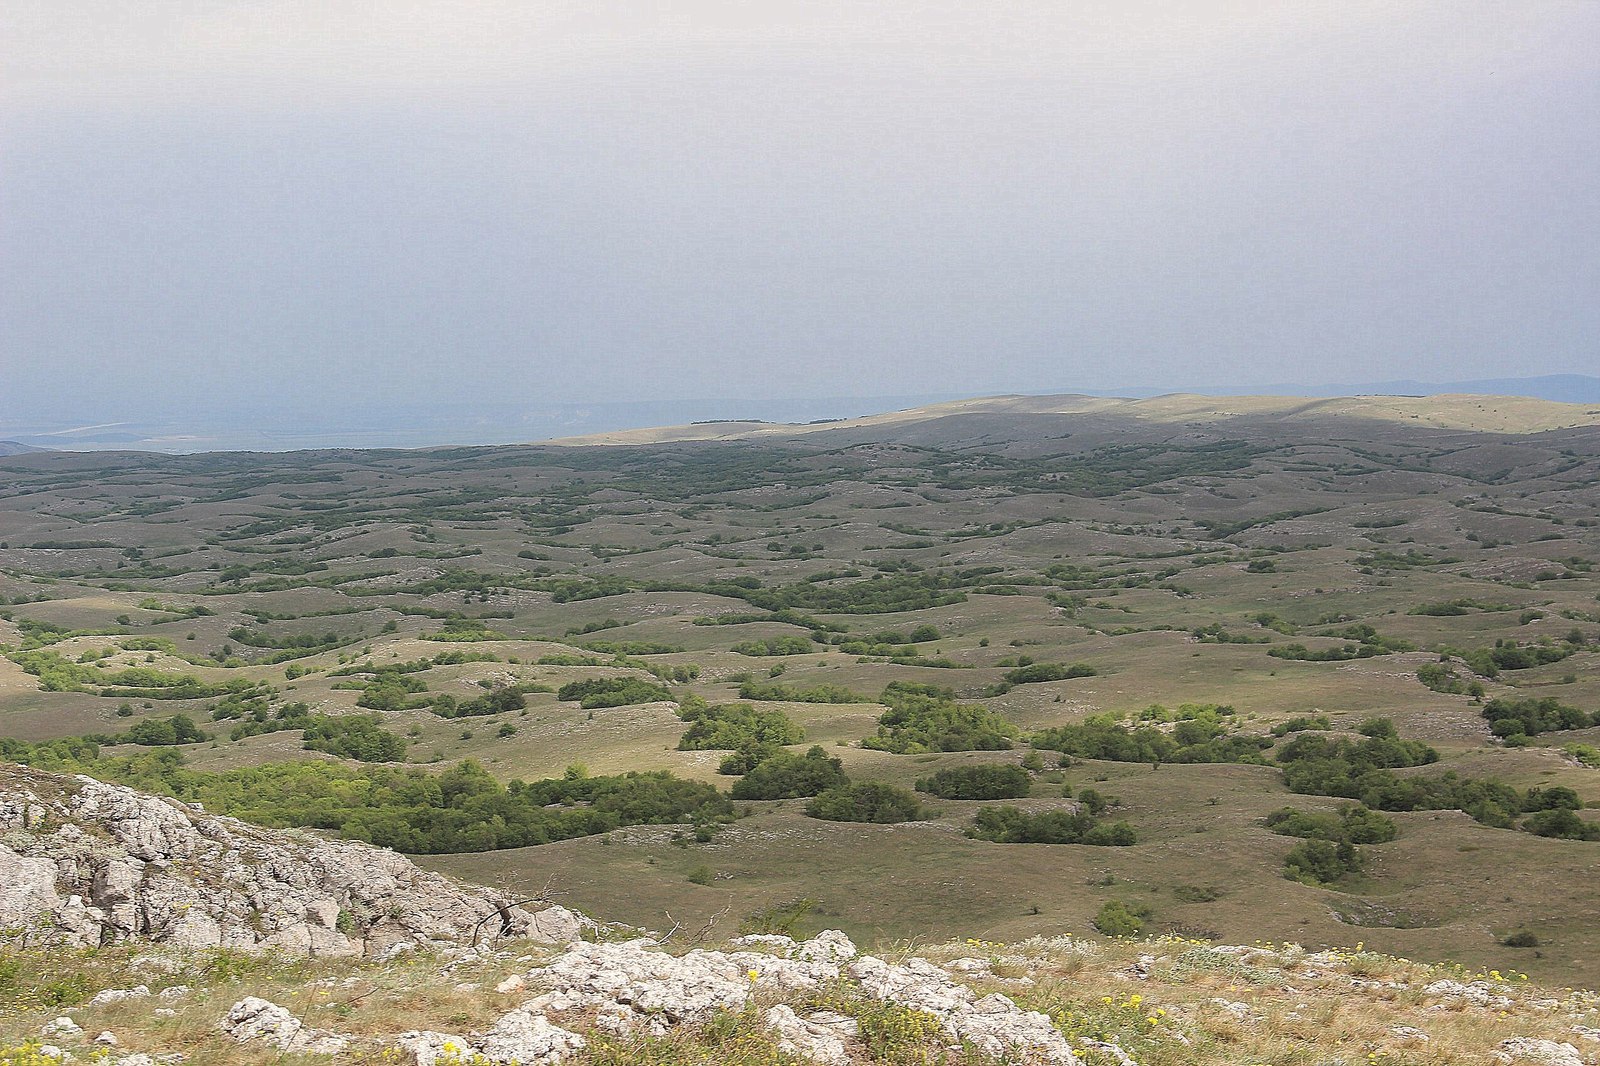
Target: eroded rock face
x=90, y=864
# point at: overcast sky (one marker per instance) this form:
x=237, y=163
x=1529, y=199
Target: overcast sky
x=314, y=200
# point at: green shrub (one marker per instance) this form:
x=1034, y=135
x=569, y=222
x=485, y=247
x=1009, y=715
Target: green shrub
x=1009, y=825
x=977, y=783
x=1561, y=823
x=1353, y=824
x=1301, y=724
x=1092, y=801
x=1321, y=862
x=1587, y=754
x=924, y=718
x=461, y=809
x=354, y=736
x=1441, y=678
x=790, y=645
x=734, y=726
x=160, y=732
x=777, y=692
x=1531, y=716
x=869, y=801
x=1041, y=672
x=784, y=775
x=598, y=692
x=500, y=700
x=1117, y=918
x=1200, y=737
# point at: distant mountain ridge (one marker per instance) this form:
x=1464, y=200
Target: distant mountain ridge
x=513, y=421
x=1007, y=416
x=1561, y=388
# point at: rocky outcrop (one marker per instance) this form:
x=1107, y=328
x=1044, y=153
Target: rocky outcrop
x=88, y=863
x=635, y=987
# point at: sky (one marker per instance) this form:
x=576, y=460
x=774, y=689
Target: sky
x=319, y=206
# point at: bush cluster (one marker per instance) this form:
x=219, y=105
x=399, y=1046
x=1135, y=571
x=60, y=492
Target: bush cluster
x=462, y=809
x=1515, y=720
x=157, y=732
x=1010, y=825
x=987, y=782
x=775, y=691
x=1316, y=764
x=734, y=727
x=790, y=645
x=1199, y=736
x=784, y=775
x=598, y=692
x=925, y=718
x=867, y=801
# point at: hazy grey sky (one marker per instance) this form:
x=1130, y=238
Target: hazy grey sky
x=462, y=199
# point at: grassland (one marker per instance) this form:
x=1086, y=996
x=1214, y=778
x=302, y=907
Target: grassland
x=1174, y=548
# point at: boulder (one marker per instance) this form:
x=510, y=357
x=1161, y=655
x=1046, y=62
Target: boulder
x=252, y=1019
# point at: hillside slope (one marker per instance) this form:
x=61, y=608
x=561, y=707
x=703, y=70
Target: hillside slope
x=761, y=998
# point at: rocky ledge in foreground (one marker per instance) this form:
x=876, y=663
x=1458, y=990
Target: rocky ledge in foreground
x=87, y=863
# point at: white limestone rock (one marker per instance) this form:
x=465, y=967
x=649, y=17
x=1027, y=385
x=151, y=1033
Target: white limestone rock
x=427, y=1048
x=525, y=1038
x=821, y=1036
x=993, y=1024
x=253, y=1018
x=1546, y=1052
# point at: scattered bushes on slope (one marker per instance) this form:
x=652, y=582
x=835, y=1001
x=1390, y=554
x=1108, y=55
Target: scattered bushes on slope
x=1316, y=764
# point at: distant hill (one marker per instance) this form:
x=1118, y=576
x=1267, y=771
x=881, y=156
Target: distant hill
x=11, y=447
x=1561, y=388
x=1004, y=415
